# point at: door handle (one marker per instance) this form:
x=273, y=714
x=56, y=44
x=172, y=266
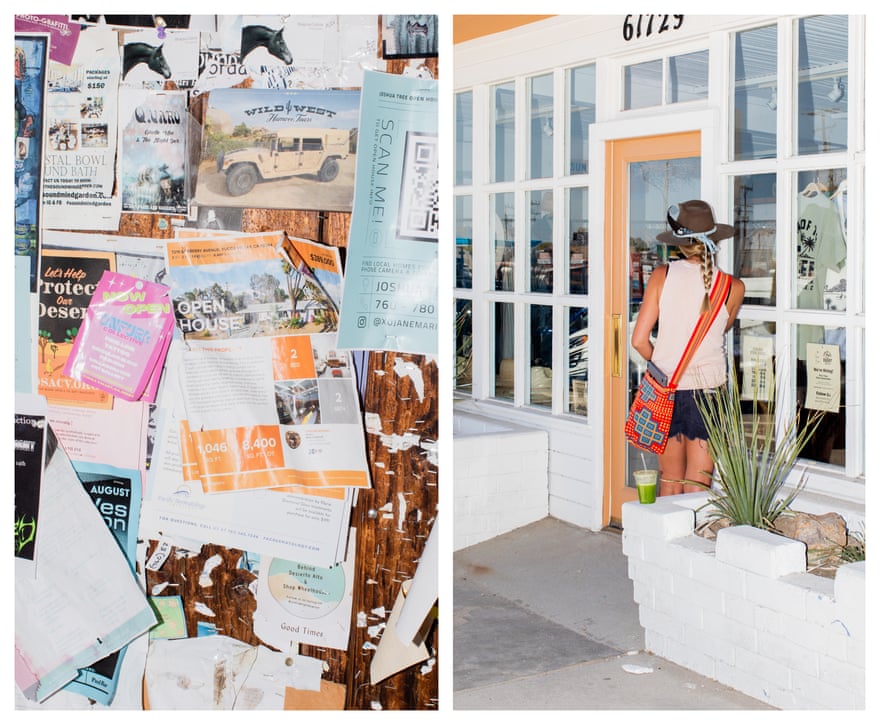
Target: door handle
x=617, y=345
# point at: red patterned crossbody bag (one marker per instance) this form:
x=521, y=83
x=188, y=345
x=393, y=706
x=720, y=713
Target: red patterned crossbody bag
x=647, y=425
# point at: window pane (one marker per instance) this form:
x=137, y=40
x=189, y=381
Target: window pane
x=541, y=241
x=504, y=379
x=754, y=243
x=464, y=137
x=754, y=357
x=755, y=99
x=821, y=376
x=577, y=242
x=581, y=113
x=578, y=359
x=541, y=124
x=463, y=344
x=822, y=84
x=821, y=240
x=502, y=132
x=688, y=77
x=541, y=348
x=643, y=85
x=502, y=226
x=464, y=251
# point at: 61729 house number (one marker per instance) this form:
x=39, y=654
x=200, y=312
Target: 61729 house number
x=634, y=26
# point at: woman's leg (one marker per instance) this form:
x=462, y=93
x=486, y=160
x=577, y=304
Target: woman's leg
x=699, y=464
x=673, y=464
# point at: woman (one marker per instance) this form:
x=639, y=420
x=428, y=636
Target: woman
x=675, y=296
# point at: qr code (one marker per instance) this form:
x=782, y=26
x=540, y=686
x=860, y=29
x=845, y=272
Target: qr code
x=419, y=189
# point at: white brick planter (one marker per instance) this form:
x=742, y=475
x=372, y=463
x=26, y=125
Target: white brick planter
x=743, y=611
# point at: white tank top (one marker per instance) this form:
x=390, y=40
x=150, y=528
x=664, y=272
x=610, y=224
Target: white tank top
x=680, y=303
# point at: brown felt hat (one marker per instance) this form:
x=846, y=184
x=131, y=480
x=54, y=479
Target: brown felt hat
x=690, y=218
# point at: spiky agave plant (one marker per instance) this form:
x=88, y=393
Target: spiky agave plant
x=751, y=462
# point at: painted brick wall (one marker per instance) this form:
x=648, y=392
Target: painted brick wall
x=744, y=611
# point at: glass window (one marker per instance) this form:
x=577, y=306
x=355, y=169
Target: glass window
x=578, y=360
x=541, y=126
x=821, y=376
x=755, y=94
x=504, y=342
x=541, y=346
x=581, y=113
x=820, y=240
x=464, y=137
x=502, y=226
x=754, y=357
x=541, y=241
x=643, y=85
x=464, y=232
x=688, y=77
x=754, y=243
x=503, y=110
x=822, y=84
x=578, y=268
x=464, y=352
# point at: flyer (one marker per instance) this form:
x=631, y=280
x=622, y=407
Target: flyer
x=153, y=151
x=80, y=158
x=30, y=90
x=301, y=603
x=67, y=280
x=287, y=149
x=270, y=400
x=308, y=527
x=85, y=602
x=823, y=377
x=150, y=57
x=30, y=453
x=124, y=336
x=116, y=494
x=390, y=300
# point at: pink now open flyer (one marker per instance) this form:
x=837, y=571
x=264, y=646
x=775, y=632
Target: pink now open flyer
x=124, y=337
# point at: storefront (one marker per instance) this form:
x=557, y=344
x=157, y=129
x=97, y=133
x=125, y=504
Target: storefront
x=573, y=135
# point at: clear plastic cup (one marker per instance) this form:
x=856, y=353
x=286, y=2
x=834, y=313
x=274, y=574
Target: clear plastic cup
x=646, y=485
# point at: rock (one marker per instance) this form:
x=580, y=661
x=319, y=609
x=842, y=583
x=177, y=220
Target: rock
x=818, y=532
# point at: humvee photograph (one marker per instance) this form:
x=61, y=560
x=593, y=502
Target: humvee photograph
x=290, y=152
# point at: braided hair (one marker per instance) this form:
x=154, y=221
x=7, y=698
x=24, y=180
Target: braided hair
x=707, y=263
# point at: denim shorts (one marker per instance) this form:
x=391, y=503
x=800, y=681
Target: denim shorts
x=686, y=418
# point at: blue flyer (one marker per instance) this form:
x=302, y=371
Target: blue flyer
x=390, y=297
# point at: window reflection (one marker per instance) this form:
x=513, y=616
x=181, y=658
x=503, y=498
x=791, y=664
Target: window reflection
x=541, y=241
x=578, y=359
x=463, y=344
x=464, y=136
x=643, y=85
x=821, y=240
x=541, y=346
x=688, y=77
x=464, y=258
x=502, y=136
x=822, y=84
x=577, y=242
x=821, y=385
x=754, y=245
x=582, y=113
x=755, y=94
x=754, y=357
x=503, y=235
x=541, y=125
x=504, y=377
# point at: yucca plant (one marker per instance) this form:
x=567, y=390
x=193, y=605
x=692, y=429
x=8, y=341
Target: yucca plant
x=751, y=461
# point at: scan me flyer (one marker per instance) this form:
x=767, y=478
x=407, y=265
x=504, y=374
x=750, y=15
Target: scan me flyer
x=269, y=399
x=390, y=298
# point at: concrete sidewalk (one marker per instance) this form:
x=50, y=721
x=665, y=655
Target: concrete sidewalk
x=544, y=619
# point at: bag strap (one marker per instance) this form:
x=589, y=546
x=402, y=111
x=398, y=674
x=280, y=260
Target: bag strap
x=717, y=298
